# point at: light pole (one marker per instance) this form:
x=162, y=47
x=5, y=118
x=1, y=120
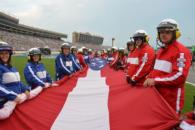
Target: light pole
x=113, y=39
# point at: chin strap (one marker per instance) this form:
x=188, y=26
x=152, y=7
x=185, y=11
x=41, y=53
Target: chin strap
x=160, y=44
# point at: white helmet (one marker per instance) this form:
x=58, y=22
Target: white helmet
x=109, y=49
x=4, y=46
x=168, y=23
x=131, y=41
x=114, y=48
x=73, y=48
x=140, y=33
x=80, y=50
x=34, y=51
x=83, y=47
x=171, y=25
x=121, y=48
x=65, y=45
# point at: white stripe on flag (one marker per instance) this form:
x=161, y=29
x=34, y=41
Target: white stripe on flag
x=86, y=107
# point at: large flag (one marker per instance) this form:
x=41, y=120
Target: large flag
x=97, y=99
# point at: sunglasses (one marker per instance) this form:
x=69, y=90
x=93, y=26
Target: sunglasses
x=165, y=31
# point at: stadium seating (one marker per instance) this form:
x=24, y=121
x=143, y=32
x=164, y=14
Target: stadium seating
x=21, y=42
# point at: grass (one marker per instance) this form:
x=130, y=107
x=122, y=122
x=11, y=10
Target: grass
x=189, y=93
x=20, y=62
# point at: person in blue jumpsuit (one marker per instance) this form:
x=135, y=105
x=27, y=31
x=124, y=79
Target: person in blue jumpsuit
x=65, y=63
x=86, y=55
x=110, y=56
x=35, y=72
x=73, y=51
x=12, y=90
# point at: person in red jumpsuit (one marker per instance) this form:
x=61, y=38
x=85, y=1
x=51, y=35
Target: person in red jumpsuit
x=171, y=65
x=115, y=55
x=120, y=64
x=103, y=54
x=141, y=60
x=130, y=47
x=81, y=58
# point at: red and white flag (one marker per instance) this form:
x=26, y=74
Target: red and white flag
x=94, y=100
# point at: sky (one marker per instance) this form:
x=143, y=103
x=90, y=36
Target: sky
x=107, y=18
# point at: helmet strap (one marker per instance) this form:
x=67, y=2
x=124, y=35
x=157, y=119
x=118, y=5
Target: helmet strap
x=160, y=44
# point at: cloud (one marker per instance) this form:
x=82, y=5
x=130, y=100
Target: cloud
x=109, y=18
x=31, y=15
x=80, y=5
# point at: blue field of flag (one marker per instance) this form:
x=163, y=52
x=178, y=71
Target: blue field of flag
x=97, y=63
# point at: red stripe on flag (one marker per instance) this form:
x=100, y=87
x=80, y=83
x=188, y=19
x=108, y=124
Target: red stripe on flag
x=136, y=108
x=41, y=112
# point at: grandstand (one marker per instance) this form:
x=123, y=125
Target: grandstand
x=23, y=37
x=86, y=38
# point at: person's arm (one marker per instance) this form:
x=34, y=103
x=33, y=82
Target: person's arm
x=115, y=60
x=48, y=77
x=31, y=77
x=7, y=93
x=82, y=61
x=146, y=64
x=180, y=69
x=75, y=63
x=61, y=66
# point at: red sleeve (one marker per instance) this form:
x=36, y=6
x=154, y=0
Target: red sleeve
x=124, y=61
x=146, y=63
x=116, y=57
x=180, y=69
x=82, y=61
x=127, y=62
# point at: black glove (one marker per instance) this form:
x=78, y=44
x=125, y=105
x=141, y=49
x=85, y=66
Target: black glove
x=133, y=82
x=130, y=81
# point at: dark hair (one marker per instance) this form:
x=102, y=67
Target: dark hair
x=72, y=50
x=130, y=43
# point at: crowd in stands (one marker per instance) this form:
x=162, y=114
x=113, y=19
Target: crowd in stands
x=21, y=42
